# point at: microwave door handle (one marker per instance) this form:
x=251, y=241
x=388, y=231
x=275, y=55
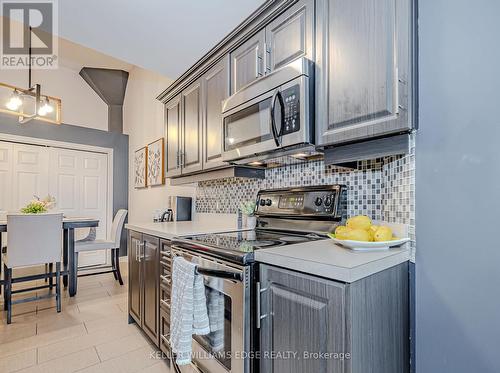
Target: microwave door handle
x=273, y=119
x=221, y=274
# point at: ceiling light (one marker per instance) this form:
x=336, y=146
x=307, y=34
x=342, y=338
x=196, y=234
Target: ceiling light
x=14, y=102
x=46, y=108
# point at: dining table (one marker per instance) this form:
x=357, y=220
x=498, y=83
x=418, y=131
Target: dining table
x=70, y=265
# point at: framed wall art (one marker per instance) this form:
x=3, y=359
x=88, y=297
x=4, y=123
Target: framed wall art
x=140, y=168
x=155, y=163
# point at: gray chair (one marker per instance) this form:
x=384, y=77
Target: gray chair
x=113, y=244
x=34, y=239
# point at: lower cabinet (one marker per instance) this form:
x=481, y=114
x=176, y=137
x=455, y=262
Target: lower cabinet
x=143, y=261
x=311, y=324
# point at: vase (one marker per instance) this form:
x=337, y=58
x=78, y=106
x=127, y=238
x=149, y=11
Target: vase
x=250, y=222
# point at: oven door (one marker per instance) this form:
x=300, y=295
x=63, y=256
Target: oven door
x=227, y=306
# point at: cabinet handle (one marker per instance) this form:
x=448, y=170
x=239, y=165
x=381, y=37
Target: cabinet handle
x=177, y=160
x=268, y=58
x=259, y=65
x=259, y=315
x=140, y=245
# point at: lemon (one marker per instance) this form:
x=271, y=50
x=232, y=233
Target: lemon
x=341, y=229
x=358, y=235
x=359, y=222
x=383, y=234
x=374, y=228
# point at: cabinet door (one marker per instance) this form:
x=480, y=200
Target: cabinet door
x=290, y=36
x=150, y=267
x=6, y=152
x=134, y=276
x=247, y=61
x=303, y=314
x=172, y=136
x=191, y=159
x=363, y=77
x=215, y=90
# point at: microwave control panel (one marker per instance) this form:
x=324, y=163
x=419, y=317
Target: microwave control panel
x=291, y=100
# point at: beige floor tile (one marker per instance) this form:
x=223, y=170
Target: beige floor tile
x=66, y=364
x=25, y=344
x=136, y=361
x=161, y=367
x=66, y=347
x=122, y=346
x=105, y=322
x=18, y=361
x=12, y=332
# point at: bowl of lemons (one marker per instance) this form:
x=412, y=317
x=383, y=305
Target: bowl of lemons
x=361, y=234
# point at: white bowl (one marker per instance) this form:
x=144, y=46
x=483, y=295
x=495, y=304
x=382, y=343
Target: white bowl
x=370, y=246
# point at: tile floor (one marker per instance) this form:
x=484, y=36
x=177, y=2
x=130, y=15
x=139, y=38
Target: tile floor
x=91, y=334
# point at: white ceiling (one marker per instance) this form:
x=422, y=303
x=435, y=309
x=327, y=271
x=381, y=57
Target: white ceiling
x=166, y=36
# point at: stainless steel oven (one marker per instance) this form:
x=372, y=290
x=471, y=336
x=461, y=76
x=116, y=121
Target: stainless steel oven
x=270, y=114
x=228, y=303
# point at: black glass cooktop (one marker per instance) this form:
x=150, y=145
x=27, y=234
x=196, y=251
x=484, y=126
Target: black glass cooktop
x=240, y=245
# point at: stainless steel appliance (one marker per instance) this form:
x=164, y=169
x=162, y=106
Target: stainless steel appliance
x=180, y=209
x=226, y=260
x=273, y=113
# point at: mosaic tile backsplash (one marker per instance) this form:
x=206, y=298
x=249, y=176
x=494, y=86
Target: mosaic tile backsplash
x=383, y=188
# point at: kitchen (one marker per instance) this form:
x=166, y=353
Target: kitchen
x=260, y=180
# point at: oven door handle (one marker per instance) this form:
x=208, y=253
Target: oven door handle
x=277, y=133
x=221, y=274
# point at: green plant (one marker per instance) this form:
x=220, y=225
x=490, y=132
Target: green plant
x=34, y=207
x=247, y=208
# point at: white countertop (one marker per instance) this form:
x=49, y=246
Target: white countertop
x=326, y=259
x=203, y=223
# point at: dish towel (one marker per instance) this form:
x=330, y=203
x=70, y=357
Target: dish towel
x=188, y=309
x=215, y=306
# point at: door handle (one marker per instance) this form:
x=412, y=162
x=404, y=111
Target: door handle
x=259, y=315
x=259, y=65
x=277, y=134
x=268, y=58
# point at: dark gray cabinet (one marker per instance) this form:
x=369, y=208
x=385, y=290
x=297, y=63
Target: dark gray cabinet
x=290, y=36
x=333, y=327
x=191, y=158
x=364, y=69
x=284, y=39
x=172, y=115
x=215, y=87
x=247, y=61
x=143, y=257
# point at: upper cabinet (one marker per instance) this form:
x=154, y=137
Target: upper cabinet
x=364, y=74
x=173, y=136
x=286, y=38
x=191, y=159
x=290, y=36
x=215, y=87
x=247, y=61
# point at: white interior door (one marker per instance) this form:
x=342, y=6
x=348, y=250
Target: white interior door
x=29, y=174
x=78, y=181
x=5, y=176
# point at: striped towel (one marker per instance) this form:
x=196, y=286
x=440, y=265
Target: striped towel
x=189, y=309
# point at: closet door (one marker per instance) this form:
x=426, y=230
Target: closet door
x=78, y=181
x=5, y=176
x=30, y=174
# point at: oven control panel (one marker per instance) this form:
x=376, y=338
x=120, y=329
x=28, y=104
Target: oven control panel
x=291, y=100
x=330, y=201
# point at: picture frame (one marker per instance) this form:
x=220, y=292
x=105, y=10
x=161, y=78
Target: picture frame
x=141, y=168
x=156, y=163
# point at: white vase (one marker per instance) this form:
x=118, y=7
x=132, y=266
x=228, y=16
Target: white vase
x=250, y=222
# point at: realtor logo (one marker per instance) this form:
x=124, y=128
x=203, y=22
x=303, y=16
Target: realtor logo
x=29, y=34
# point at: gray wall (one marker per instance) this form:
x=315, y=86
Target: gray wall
x=458, y=181
x=81, y=135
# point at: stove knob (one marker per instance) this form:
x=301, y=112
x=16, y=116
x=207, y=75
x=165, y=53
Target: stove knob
x=328, y=201
x=269, y=202
x=318, y=201
x=262, y=202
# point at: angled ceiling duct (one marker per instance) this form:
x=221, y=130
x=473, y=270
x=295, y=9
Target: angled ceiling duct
x=110, y=85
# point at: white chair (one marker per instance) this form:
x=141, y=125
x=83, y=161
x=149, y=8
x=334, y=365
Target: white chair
x=34, y=239
x=113, y=244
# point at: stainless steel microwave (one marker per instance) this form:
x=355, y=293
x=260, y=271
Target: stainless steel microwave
x=273, y=113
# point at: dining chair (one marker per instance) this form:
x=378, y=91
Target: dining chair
x=34, y=239
x=112, y=243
